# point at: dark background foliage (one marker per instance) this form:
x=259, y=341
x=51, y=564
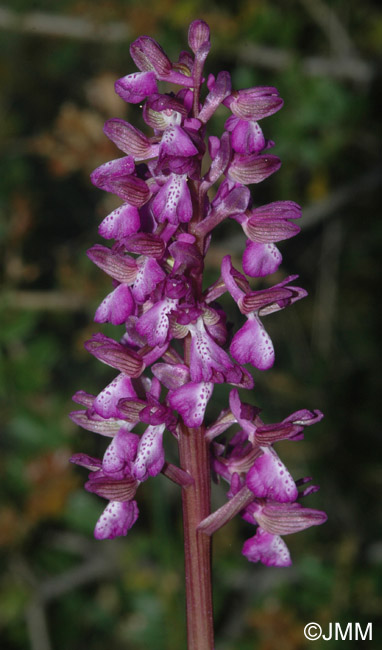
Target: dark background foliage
x=59, y=588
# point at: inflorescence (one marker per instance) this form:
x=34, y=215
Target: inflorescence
x=161, y=234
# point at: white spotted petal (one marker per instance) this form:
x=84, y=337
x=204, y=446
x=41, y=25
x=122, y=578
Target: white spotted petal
x=269, y=478
x=269, y=549
x=191, y=401
x=150, y=455
x=252, y=344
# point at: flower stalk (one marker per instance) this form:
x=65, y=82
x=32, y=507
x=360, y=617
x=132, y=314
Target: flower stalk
x=161, y=232
x=195, y=459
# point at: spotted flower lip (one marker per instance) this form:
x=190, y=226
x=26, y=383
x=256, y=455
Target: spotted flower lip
x=260, y=260
x=116, y=520
x=173, y=201
x=134, y=88
x=269, y=549
x=191, y=400
x=269, y=478
x=246, y=136
x=251, y=343
x=121, y=222
x=175, y=342
x=106, y=402
x=208, y=362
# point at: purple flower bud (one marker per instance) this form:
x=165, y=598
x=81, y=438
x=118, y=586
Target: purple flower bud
x=117, y=177
x=145, y=244
x=198, y=35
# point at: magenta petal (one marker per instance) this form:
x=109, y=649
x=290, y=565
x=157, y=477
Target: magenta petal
x=116, y=520
x=147, y=55
x=120, y=223
x=105, y=404
x=154, y=323
x=148, y=276
x=252, y=168
x=260, y=260
x=121, y=450
x=120, y=267
x=110, y=170
x=252, y=344
x=286, y=518
x=115, y=355
x=136, y=87
x=208, y=361
x=130, y=140
x=173, y=201
x=247, y=137
x=254, y=103
x=269, y=478
x=171, y=376
x=116, y=307
x=191, y=401
x=150, y=455
x=269, y=549
x=218, y=92
x=176, y=142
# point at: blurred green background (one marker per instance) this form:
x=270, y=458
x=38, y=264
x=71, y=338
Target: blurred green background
x=59, y=589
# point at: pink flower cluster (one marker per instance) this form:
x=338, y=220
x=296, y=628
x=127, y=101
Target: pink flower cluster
x=161, y=233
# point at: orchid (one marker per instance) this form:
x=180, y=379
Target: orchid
x=176, y=346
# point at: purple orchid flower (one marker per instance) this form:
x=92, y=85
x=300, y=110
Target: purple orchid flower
x=178, y=344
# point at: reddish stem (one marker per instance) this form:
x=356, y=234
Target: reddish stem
x=194, y=458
